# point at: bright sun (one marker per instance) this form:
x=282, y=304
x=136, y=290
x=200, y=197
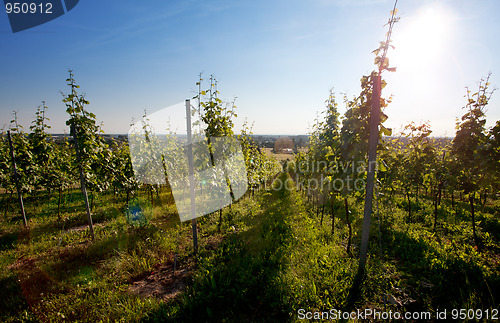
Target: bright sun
x=422, y=39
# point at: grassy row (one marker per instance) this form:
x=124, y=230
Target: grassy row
x=270, y=258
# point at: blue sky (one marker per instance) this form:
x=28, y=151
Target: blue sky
x=279, y=58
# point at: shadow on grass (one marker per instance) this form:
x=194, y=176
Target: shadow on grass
x=12, y=301
x=63, y=269
x=82, y=260
x=241, y=281
x=490, y=224
x=8, y=241
x=455, y=281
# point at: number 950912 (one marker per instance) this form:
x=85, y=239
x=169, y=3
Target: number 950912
x=24, y=7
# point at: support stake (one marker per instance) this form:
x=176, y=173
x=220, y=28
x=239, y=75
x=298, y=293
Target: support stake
x=191, y=175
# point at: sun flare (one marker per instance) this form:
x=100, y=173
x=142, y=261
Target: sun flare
x=422, y=40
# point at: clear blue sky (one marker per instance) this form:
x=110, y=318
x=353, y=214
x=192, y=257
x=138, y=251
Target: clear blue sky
x=280, y=58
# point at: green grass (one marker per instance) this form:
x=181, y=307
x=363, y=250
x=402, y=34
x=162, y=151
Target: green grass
x=270, y=258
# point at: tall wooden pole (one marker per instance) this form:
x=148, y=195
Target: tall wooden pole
x=372, y=147
x=372, y=160
x=16, y=179
x=191, y=175
x=82, y=182
x=370, y=178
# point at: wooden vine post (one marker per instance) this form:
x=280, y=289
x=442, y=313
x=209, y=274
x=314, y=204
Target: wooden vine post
x=370, y=177
x=372, y=145
x=191, y=175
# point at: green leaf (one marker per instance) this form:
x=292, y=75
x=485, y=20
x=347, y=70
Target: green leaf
x=385, y=131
